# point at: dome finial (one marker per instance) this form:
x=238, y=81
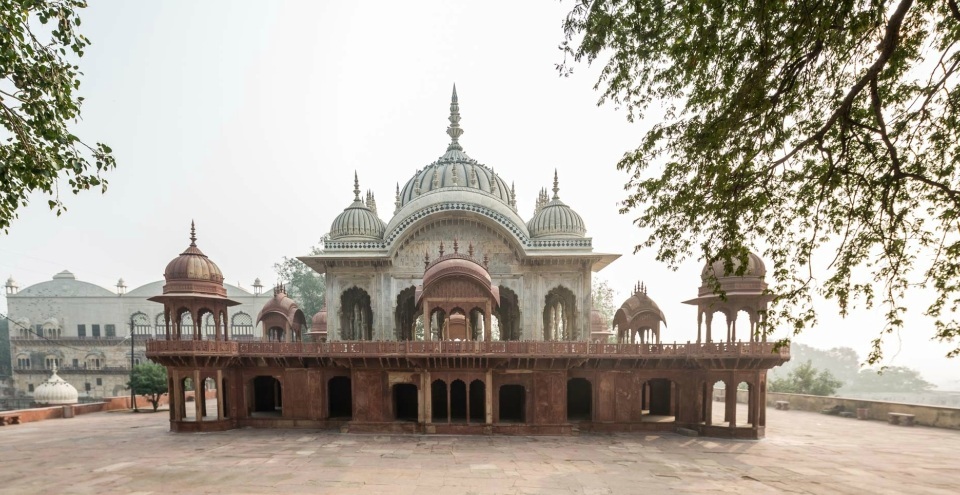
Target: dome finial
x=454, y=130
x=556, y=186
x=356, y=187
x=193, y=234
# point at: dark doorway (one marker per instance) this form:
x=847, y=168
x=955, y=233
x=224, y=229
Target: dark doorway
x=266, y=394
x=223, y=398
x=340, y=398
x=512, y=402
x=438, y=400
x=579, y=399
x=405, y=401
x=458, y=401
x=661, y=397
x=478, y=401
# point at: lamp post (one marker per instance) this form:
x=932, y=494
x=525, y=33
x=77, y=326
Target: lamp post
x=133, y=393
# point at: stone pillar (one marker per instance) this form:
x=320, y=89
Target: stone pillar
x=488, y=389
x=220, y=404
x=488, y=324
x=197, y=392
x=427, y=332
x=427, y=392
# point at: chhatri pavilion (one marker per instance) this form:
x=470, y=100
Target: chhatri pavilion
x=458, y=316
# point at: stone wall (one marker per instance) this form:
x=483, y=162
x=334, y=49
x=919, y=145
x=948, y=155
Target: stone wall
x=56, y=412
x=936, y=416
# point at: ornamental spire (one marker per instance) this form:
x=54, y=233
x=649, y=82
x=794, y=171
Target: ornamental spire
x=356, y=187
x=396, y=201
x=193, y=234
x=556, y=187
x=454, y=130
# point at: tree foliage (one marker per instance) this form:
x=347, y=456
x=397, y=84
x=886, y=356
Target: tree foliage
x=891, y=379
x=603, y=300
x=150, y=381
x=39, y=44
x=800, y=127
x=805, y=379
x=304, y=285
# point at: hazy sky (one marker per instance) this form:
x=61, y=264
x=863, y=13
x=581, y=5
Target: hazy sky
x=251, y=118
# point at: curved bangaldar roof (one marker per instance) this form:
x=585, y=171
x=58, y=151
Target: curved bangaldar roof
x=455, y=169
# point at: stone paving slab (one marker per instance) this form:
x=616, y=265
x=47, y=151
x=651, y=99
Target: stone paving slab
x=805, y=453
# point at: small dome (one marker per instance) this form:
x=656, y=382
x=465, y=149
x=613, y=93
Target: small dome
x=65, y=275
x=357, y=220
x=637, y=305
x=755, y=268
x=11, y=282
x=556, y=219
x=193, y=272
x=55, y=391
x=319, y=322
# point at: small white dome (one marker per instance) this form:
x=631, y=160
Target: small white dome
x=55, y=391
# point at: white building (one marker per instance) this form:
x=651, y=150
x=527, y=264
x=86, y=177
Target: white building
x=83, y=329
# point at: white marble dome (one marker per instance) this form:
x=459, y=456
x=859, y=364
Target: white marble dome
x=55, y=391
x=357, y=221
x=556, y=219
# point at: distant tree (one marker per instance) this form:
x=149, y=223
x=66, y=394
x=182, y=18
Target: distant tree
x=304, y=285
x=39, y=45
x=806, y=127
x=603, y=301
x=891, y=379
x=806, y=379
x=842, y=362
x=150, y=381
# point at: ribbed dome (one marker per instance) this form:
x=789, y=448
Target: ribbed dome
x=755, y=268
x=55, y=391
x=193, y=265
x=456, y=170
x=357, y=220
x=193, y=273
x=556, y=219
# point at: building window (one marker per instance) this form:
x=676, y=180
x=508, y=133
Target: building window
x=76, y=363
x=111, y=330
x=86, y=386
x=93, y=362
x=241, y=327
x=96, y=331
x=30, y=387
x=141, y=324
x=99, y=381
x=52, y=361
x=23, y=362
x=81, y=331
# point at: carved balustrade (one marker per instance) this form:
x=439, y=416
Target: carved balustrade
x=446, y=347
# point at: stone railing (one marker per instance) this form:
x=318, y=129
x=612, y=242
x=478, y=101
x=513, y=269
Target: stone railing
x=446, y=347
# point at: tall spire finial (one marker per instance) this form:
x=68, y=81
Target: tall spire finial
x=193, y=234
x=356, y=187
x=556, y=186
x=454, y=130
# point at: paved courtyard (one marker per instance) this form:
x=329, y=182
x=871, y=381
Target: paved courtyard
x=804, y=452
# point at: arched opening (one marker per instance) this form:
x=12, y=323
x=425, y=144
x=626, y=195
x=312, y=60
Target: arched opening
x=438, y=323
x=512, y=404
x=476, y=324
x=458, y=401
x=405, y=403
x=746, y=416
x=267, y=396
x=405, y=316
x=340, y=398
x=742, y=329
x=222, y=391
x=275, y=334
x=209, y=325
x=141, y=325
x=716, y=403
x=508, y=316
x=478, y=401
x=579, y=399
x=187, y=393
x=560, y=315
x=186, y=325
x=160, y=328
x=208, y=407
x=457, y=325
x=438, y=401
x=663, y=400
x=356, y=315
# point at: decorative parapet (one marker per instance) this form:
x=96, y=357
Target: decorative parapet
x=476, y=348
